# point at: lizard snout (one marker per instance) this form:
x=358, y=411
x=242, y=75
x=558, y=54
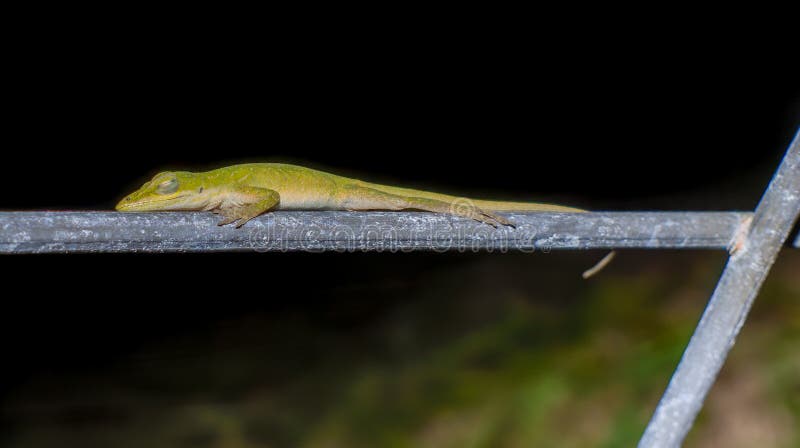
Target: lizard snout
x=124, y=203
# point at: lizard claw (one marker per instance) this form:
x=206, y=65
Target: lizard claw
x=492, y=219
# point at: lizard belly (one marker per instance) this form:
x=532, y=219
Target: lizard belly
x=290, y=201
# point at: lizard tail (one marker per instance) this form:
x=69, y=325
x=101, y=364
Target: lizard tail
x=599, y=265
x=504, y=206
x=495, y=206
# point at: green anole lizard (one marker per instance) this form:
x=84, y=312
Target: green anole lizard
x=239, y=193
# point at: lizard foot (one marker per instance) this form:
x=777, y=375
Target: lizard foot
x=238, y=215
x=228, y=216
x=467, y=209
x=483, y=216
x=493, y=220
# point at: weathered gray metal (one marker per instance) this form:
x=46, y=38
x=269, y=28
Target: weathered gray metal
x=728, y=307
x=43, y=232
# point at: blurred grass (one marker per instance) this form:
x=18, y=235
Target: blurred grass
x=487, y=351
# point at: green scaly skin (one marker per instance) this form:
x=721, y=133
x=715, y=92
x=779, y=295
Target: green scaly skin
x=241, y=192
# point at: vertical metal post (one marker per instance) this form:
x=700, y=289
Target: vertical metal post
x=727, y=309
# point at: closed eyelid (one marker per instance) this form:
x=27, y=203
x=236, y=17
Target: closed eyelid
x=168, y=186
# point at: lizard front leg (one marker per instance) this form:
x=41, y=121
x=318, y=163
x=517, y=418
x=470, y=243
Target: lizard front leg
x=241, y=203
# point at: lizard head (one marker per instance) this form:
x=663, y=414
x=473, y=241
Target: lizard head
x=170, y=190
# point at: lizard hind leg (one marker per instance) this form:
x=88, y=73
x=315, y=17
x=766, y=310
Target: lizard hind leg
x=365, y=198
x=459, y=207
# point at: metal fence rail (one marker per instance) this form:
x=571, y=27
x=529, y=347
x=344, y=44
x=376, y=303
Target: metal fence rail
x=47, y=232
x=755, y=240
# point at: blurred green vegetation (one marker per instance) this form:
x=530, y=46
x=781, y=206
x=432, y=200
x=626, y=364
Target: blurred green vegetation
x=482, y=351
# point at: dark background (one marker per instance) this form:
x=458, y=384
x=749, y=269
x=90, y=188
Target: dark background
x=604, y=121
x=624, y=122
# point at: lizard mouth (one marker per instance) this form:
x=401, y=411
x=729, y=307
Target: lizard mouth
x=125, y=206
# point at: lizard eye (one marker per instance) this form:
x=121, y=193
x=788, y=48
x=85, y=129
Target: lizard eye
x=168, y=186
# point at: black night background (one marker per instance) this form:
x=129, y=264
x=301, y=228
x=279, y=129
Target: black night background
x=364, y=349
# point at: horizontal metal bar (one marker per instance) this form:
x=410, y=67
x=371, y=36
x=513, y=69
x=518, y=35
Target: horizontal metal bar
x=48, y=232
